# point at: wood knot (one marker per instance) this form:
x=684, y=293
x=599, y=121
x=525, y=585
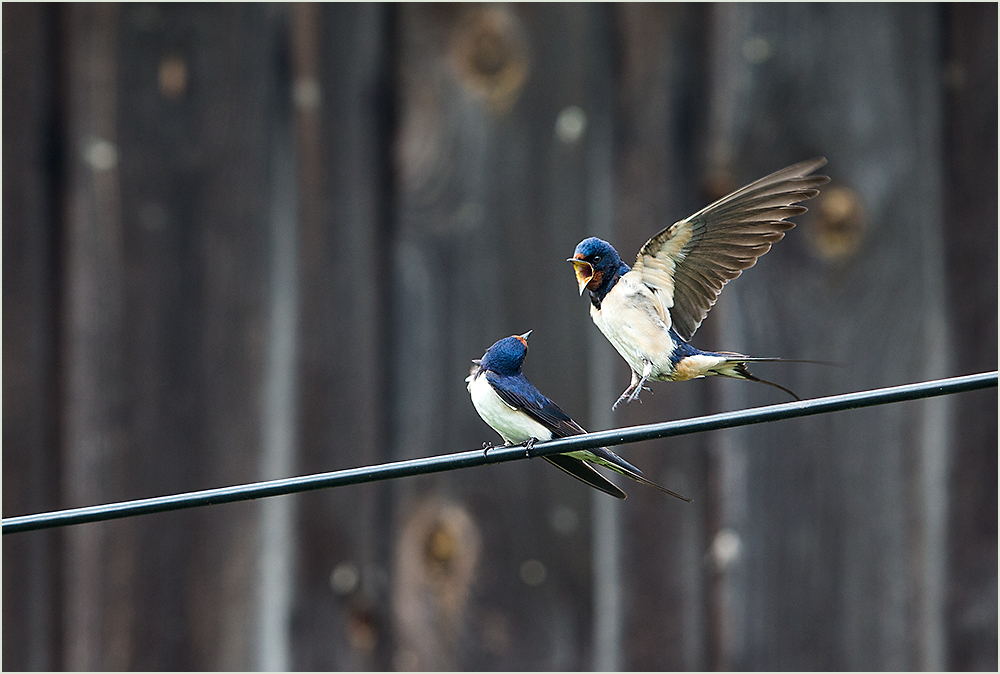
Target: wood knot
x=441, y=546
x=839, y=223
x=172, y=77
x=362, y=630
x=436, y=561
x=490, y=53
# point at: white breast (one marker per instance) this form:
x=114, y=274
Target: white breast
x=513, y=425
x=630, y=317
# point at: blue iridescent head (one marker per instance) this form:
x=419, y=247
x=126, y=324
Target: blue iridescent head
x=506, y=356
x=597, y=265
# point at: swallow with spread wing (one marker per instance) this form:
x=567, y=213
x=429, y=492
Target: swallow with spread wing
x=651, y=310
x=518, y=411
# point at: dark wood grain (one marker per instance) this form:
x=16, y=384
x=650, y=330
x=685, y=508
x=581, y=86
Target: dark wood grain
x=343, y=112
x=166, y=279
x=661, y=89
x=199, y=223
x=98, y=561
x=30, y=280
x=253, y=241
x=970, y=199
x=838, y=518
x=490, y=203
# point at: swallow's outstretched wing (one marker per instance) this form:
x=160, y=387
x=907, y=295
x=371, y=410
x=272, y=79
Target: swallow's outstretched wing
x=688, y=263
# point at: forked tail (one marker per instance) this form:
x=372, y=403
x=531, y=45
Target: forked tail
x=737, y=369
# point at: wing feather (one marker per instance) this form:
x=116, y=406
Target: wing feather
x=605, y=457
x=585, y=473
x=533, y=402
x=690, y=262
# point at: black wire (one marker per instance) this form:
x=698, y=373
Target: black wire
x=478, y=457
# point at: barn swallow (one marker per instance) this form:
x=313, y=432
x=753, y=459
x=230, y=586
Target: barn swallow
x=518, y=411
x=651, y=310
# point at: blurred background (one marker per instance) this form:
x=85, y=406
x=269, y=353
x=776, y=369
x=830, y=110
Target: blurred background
x=252, y=241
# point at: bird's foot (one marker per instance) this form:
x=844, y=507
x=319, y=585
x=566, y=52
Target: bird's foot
x=529, y=445
x=637, y=386
x=636, y=392
x=630, y=394
x=487, y=446
x=624, y=396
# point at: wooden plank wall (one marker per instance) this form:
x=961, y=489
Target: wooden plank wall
x=248, y=241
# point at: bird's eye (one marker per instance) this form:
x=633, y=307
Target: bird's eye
x=597, y=258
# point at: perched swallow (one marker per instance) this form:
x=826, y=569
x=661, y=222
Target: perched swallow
x=651, y=310
x=518, y=411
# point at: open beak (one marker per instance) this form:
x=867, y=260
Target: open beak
x=584, y=272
